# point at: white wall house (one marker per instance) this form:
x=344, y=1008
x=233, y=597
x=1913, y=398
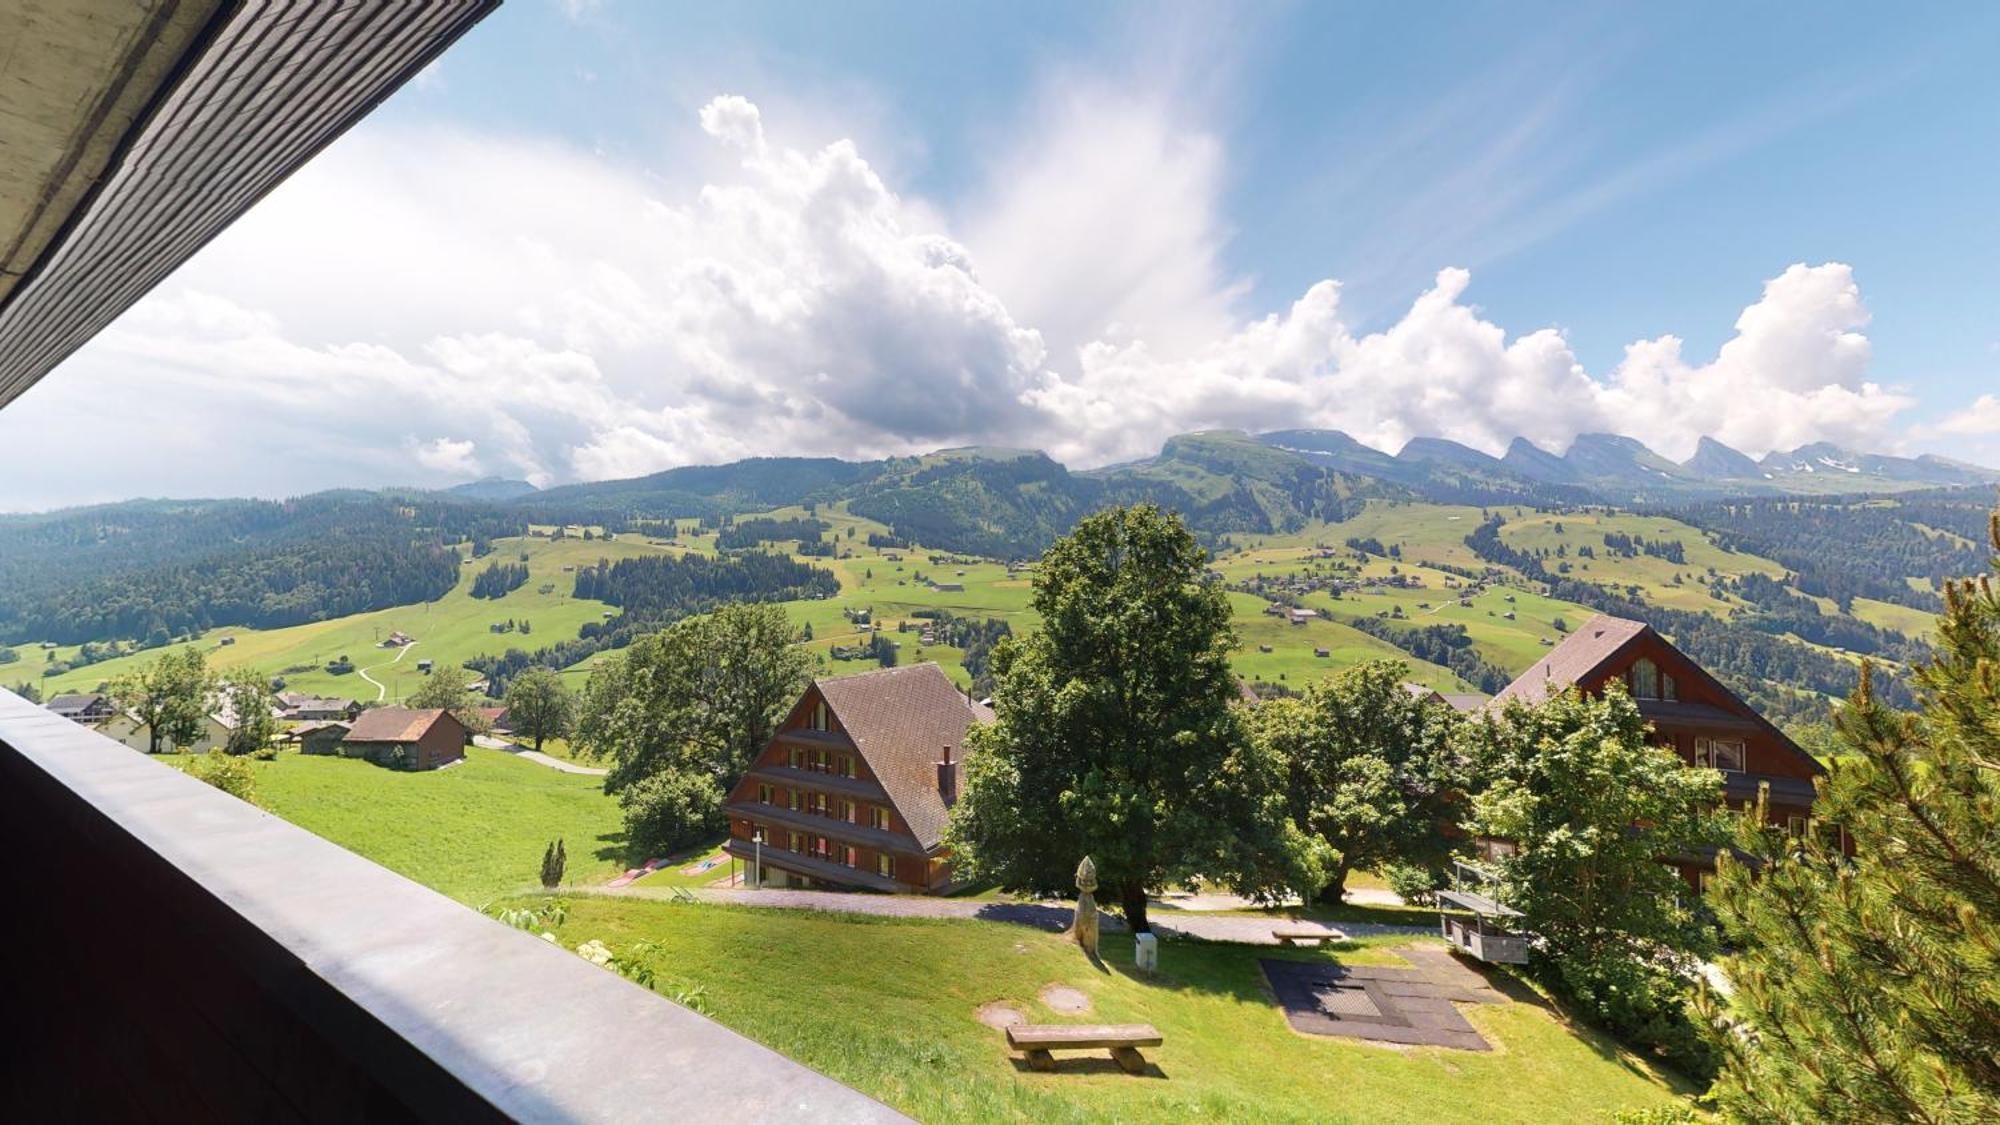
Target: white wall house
x=130, y=731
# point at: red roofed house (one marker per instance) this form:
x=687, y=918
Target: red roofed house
x=416, y=740
x=855, y=788
x=1691, y=712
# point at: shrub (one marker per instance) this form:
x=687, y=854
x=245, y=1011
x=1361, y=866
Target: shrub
x=227, y=774
x=1414, y=883
x=554, y=860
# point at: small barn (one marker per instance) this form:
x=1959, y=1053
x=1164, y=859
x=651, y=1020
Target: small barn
x=405, y=738
x=320, y=737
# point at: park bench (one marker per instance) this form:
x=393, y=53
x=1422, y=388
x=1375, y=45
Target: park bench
x=1292, y=935
x=1122, y=1040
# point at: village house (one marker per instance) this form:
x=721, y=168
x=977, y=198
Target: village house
x=409, y=739
x=88, y=708
x=856, y=787
x=1691, y=713
x=299, y=707
x=319, y=737
x=125, y=727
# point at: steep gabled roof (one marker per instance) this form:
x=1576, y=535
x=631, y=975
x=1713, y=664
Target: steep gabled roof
x=901, y=719
x=1583, y=652
x=1601, y=640
x=394, y=724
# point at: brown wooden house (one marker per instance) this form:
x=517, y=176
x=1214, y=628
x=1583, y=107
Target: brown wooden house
x=855, y=788
x=413, y=739
x=1692, y=713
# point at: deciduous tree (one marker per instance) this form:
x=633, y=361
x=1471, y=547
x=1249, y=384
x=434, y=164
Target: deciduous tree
x=249, y=700
x=539, y=706
x=1593, y=809
x=1372, y=775
x=451, y=689
x=169, y=697
x=681, y=713
x=1118, y=734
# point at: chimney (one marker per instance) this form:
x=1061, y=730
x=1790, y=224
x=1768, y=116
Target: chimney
x=948, y=778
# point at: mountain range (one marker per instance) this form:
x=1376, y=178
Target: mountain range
x=1267, y=472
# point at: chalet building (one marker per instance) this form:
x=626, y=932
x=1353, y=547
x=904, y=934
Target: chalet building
x=88, y=708
x=1692, y=714
x=417, y=740
x=855, y=788
x=302, y=708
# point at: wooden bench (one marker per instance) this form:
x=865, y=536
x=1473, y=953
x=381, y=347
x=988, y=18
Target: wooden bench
x=1122, y=1040
x=1292, y=935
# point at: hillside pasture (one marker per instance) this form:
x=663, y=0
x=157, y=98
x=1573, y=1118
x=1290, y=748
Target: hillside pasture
x=892, y=1007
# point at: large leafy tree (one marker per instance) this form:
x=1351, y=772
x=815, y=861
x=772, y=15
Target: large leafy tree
x=169, y=697
x=450, y=689
x=1593, y=808
x=1372, y=774
x=681, y=713
x=250, y=703
x=1868, y=988
x=539, y=706
x=1117, y=733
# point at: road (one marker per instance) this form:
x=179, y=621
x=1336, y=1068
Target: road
x=380, y=690
x=1248, y=929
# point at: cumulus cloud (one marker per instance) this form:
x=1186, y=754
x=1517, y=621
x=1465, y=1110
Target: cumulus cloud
x=1982, y=417
x=419, y=306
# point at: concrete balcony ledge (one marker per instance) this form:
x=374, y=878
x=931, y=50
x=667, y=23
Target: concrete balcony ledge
x=185, y=955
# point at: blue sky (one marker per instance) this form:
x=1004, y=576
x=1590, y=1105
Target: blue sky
x=1636, y=169
x=1083, y=227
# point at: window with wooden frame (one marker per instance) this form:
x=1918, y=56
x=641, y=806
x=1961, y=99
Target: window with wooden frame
x=763, y=794
x=847, y=765
x=1796, y=825
x=849, y=856
x=1719, y=754
x=878, y=817
x=820, y=717
x=885, y=865
x=798, y=758
x=847, y=810
x=1643, y=678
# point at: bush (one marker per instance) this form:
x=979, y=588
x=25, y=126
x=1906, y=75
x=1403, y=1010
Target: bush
x=227, y=774
x=668, y=811
x=265, y=753
x=1415, y=884
x=1643, y=1000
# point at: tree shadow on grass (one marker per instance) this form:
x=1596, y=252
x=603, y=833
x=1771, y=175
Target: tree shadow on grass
x=612, y=848
x=1087, y=1064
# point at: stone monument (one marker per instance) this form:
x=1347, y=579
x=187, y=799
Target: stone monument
x=1085, y=926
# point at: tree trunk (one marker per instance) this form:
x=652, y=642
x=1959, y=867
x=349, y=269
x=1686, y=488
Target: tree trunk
x=538, y=740
x=1132, y=896
x=1336, y=886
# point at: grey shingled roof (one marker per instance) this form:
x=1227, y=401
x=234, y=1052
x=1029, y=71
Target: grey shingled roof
x=901, y=719
x=1580, y=654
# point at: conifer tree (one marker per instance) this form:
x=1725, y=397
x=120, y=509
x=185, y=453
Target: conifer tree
x=1868, y=988
x=553, y=862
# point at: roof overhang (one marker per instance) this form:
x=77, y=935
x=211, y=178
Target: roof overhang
x=133, y=131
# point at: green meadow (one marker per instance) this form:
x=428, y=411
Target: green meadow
x=892, y=1007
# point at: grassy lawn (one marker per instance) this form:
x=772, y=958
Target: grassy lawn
x=474, y=831
x=670, y=874
x=889, y=1006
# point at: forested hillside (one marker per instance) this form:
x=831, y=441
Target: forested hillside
x=149, y=570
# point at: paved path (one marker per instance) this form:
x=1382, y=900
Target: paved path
x=535, y=756
x=380, y=690
x=1052, y=916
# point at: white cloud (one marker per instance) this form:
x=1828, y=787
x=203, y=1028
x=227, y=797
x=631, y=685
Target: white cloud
x=447, y=456
x=1982, y=417
x=421, y=305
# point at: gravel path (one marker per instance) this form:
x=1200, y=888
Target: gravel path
x=380, y=689
x=1041, y=915
x=535, y=756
